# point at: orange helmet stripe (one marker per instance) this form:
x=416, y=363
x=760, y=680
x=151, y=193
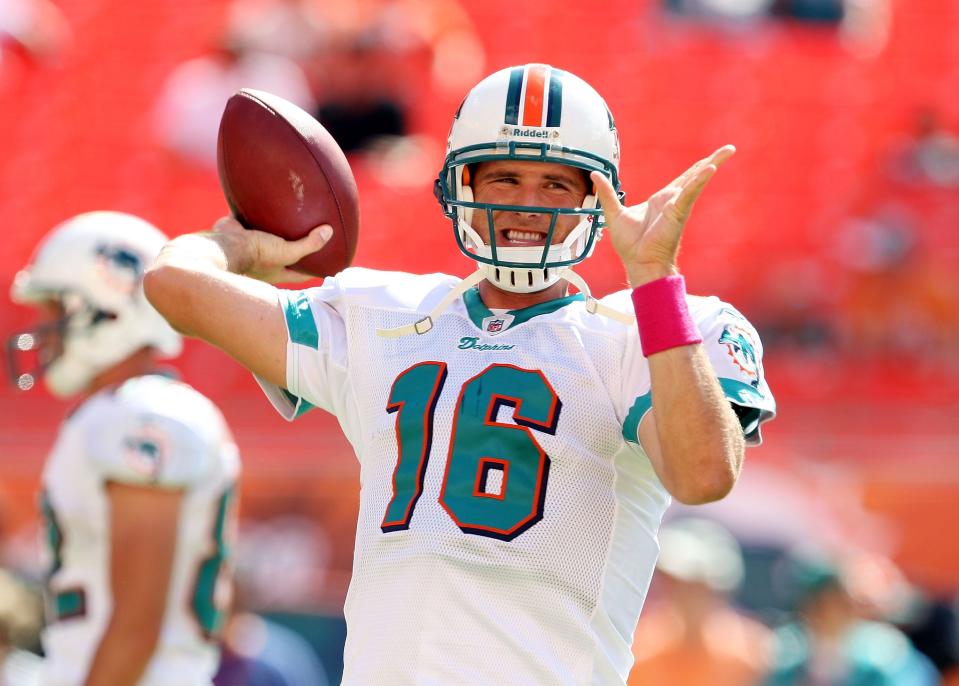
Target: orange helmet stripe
x=535, y=95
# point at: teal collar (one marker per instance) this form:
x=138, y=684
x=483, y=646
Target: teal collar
x=479, y=311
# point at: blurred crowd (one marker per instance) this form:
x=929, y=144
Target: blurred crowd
x=879, y=289
x=884, y=288
x=840, y=617
x=357, y=66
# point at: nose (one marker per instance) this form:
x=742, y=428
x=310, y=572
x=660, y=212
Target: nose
x=529, y=197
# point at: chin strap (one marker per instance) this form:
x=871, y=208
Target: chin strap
x=426, y=323
x=593, y=306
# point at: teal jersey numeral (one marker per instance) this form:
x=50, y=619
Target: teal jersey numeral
x=210, y=613
x=413, y=399
x=481, y=444
x=54, y=537
x=65, y=603
x=496, y=472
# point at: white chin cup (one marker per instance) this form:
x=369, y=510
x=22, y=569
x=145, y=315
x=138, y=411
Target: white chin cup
x=65, y=377
x=524, y=279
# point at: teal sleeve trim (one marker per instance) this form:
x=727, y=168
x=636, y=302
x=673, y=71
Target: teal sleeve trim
x=299, y=319
x=743, y=394
x=751, y=404
x=640, y=407
x=302, y=406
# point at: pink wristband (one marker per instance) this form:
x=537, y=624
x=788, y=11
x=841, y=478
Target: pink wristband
x=663, y=316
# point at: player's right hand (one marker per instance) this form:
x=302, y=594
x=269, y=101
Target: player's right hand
x=266, y=257
x=646, y=236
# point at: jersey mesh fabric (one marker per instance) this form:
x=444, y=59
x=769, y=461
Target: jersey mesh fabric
x=438, y=600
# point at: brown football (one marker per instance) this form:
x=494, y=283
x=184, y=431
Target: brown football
x=283, y=173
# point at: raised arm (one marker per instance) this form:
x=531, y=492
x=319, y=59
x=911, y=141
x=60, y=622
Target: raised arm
x=691, y=436
x=217, y=286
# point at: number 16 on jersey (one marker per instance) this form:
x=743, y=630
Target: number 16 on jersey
x=496, y=472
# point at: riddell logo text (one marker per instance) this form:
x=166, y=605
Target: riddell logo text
x=531, y=133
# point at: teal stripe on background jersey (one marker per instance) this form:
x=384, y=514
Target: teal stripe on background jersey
x=299, y=319
x=554, y=111
x=69, y=604
x=512, y=95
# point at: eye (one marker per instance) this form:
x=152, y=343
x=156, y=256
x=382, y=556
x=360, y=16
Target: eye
x=559, y=186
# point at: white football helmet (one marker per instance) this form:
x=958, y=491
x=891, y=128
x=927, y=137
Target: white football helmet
x=92, y=265
x=533, y=112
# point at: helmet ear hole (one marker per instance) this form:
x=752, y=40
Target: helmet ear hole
x=466, y=192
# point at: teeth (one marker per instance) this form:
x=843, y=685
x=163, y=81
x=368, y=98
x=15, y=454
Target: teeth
x=514, y=235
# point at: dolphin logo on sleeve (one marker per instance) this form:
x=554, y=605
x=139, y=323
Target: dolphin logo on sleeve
x=741, y=350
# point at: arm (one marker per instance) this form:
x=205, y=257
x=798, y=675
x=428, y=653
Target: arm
x=143, y=526
x=216, y=286
x=691, y=436
x=702, y=453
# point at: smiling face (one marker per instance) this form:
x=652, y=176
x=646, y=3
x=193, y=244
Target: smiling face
x=531, y=184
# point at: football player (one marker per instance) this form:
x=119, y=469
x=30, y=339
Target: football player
x=138, y=490
x=518, y=444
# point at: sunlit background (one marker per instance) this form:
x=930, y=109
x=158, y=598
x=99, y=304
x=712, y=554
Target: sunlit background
x=834, y=229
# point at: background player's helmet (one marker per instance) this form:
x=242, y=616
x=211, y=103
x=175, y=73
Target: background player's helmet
x=92, y=265
x=537, y=113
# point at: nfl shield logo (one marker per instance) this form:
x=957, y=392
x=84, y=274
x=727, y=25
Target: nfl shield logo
x=497, y=323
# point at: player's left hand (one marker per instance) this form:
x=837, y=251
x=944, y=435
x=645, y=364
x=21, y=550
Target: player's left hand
x=646, y=236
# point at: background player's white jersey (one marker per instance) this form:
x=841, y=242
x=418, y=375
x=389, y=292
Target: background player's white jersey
x=508, y=516
x=154, y=431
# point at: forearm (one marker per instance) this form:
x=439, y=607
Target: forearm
x=123, y=654
x=219, y=251
x=197, y=283
x=191, y=271
x=700, y=440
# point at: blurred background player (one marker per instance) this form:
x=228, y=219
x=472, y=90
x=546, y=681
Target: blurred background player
x=693, y=635
x=833, y=641
x=138, y=491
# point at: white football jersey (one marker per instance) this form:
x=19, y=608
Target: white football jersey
x=508, y=515
x=152, y=431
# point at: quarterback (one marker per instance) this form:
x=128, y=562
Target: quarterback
x=518, y=444
x=137, y=495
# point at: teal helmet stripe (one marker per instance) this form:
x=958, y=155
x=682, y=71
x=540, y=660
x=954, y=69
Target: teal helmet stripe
x=513, y=94
x=554, y=111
